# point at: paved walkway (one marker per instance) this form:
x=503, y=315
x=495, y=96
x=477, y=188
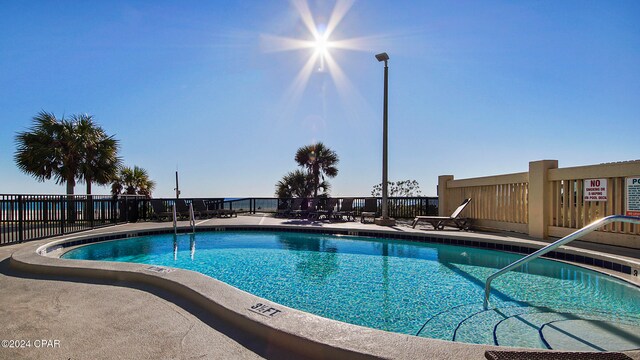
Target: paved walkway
x=108, y=321
x=66, y=318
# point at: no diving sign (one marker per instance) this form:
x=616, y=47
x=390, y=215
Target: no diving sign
x=633, y=196
x=595, y=190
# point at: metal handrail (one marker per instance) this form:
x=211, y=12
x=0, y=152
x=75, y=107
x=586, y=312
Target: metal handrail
x=175, y=220
x=192, y=218
x=573, y=236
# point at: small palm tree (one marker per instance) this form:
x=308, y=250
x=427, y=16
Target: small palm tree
x=320, y=161
x=50, y=149
x=100, y=161
x=133, y=181
x=294, y=184
x=67, y=150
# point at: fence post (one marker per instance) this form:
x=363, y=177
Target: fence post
x=540, y=197
x=63, y=213
x=90, y=210
x=45, y=210
x=443, y=195
x=20, y=219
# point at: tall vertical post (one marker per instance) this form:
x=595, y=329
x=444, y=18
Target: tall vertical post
x=63, y=212
x=20, y=219
x=385, y=144
x=444, y=205
x=385, y=220
x=90, y=210
x=177, y=187
x=539, y=197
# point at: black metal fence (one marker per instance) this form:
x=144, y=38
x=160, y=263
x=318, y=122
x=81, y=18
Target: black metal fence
x=399, y=207
x=31, y=217
x=27, y=217
x=138, y=208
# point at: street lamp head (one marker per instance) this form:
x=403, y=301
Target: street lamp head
x=382, y=57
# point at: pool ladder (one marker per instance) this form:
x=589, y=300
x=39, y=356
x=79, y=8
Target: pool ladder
x=192, y=219
x=573, y=236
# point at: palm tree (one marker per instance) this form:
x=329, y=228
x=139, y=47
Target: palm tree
x=50, y=149
x=100, y=161
x=294, y=184
x=67, y=150
x=133, y=181
x=320, y=161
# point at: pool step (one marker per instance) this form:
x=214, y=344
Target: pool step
x=569, y=330
x=514, y=324
x=445, y=324
x=442, y=326
x=479, y=328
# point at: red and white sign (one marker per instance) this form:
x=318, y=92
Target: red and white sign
x=633, y=196
x=595, y=190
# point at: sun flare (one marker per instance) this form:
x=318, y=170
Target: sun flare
x=319, y=41
x=322, y=46
x=318, y=46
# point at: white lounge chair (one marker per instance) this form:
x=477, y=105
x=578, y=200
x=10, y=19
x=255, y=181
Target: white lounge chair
x=439, y=222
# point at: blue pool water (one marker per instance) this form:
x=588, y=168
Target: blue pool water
x=423, y=289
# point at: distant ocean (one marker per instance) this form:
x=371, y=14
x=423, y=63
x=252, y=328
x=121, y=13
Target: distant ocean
x=270, y=205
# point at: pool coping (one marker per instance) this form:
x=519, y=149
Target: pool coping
x=609, y=264
x=297, y=331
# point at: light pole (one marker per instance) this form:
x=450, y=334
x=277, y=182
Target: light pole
x=177, y=189
x=385, y=220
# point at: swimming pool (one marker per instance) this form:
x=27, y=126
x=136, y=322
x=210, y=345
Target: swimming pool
x=423, y=289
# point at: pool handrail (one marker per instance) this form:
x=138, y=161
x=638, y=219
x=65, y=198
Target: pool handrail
x=175, y=219
x=573, y=236
x=192, y=218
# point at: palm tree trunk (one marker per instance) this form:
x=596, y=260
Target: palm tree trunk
x=70, y=186
x=316, y=182
x=89, y=204
x=71, y=213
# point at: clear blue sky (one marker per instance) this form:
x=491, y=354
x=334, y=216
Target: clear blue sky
x=476, y=88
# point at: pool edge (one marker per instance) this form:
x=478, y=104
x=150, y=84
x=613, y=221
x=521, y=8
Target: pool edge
x=297, y=331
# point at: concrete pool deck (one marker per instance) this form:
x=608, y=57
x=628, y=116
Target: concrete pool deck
x=102, y=317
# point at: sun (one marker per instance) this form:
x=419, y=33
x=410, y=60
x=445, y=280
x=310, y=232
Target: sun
x=318, y=46
x=321, y=47
x=318, y=38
